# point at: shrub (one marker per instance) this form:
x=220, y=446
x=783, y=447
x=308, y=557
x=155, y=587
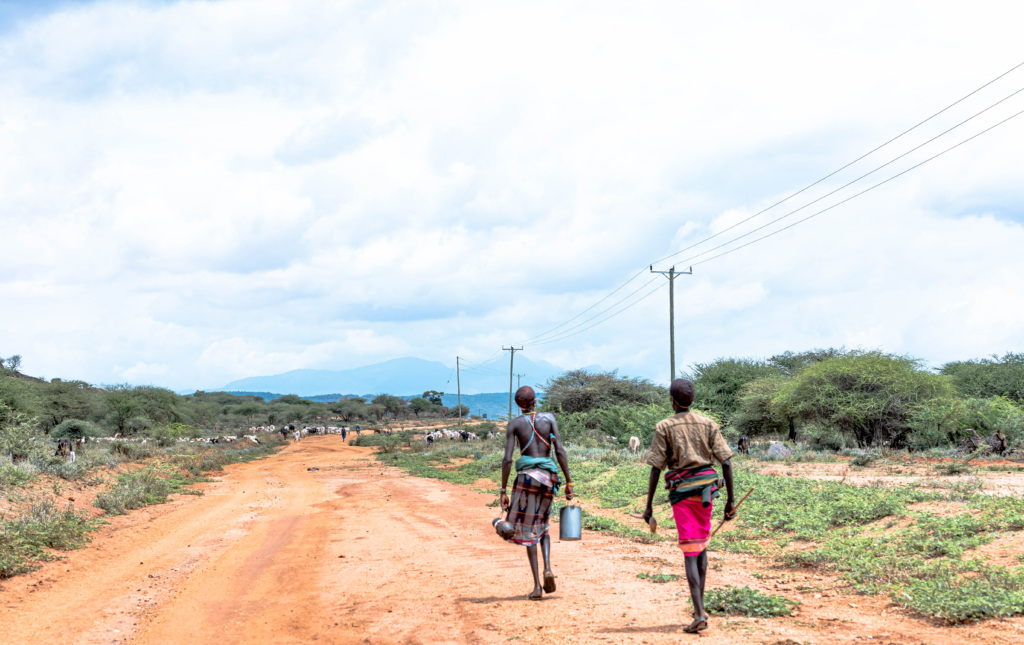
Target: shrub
x=987, y=377
x=24, y=539
x=134, y=490
x=744, y=601
x=17, y=436
x=583, y=391
x=719, y=384
x=75, y=429
x=870, y=396
x=11, y=475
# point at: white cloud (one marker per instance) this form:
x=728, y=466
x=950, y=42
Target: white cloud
x=202, y=191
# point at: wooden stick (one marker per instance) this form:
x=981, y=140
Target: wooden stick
x=653, y=523
x=734, y=509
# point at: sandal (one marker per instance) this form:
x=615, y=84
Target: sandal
x=549, y=582
x=698, y=624
x=536, y=595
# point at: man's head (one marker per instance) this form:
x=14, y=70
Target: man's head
x=526, y=398
x=681, y=392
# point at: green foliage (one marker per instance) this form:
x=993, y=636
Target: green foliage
x=392, y=405
x=17, y=434
x=658, y=578
x=63, y=400
x=757, y=410
x=75, y=429
x=434, y=396
x=24, y=540
x=134, y=490
x=987, y=377
x=455, y=409
x=584, y=391
x=11, y=475
x=962, y=600
x=869, y=396
x=420, y=404
x=718, y=384
x=744, y=601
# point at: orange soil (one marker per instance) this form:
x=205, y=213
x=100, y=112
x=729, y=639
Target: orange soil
x=354, y=553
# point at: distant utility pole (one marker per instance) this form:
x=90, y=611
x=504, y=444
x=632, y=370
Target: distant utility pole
x=511, y=362
x=519, y=380
x=458, y=384
x=671, y=275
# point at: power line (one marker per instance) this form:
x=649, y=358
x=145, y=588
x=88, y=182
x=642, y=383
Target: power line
x=568, y=333
x=868, y=189
x=847, y=184
x=637, y=301
x=612, y=293
x=598, y=314
x=835, y=172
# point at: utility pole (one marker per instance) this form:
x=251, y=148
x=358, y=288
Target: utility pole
x=519, y=380
x=511, y=362
x=671, y=275
x=458, y=384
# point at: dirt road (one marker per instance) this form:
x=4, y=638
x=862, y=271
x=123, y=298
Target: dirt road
x=353, y=553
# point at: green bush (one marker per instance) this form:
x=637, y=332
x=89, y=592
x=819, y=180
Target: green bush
x=75, y=429
x=18, y=436
x=869, y=396
x=134, y=490
x=583, y=391
x=24, y=539
x=720, y=383
x=11, y=475
x=988, y=377
x=744, y=601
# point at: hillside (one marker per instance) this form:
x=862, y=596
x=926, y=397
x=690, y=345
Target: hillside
x=399, y=376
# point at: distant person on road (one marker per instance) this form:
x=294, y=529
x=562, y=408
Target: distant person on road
x=344, y=432
x=536, y=483
x=687, y=445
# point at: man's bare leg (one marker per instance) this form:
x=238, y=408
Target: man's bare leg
x=545, y=549
x=695, y=579
x=531, y=554
x=702, y=566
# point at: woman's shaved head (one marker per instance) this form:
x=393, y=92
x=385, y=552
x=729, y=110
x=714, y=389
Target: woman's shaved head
x=526, y=397
x=682, y=391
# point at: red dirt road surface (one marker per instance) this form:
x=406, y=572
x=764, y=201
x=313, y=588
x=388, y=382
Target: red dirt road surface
x=354, y=553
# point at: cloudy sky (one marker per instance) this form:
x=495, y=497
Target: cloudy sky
x=193, y=192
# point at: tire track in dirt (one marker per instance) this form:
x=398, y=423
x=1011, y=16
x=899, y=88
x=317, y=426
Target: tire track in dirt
x=354, y=553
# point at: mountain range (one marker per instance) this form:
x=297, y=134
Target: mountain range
x=403, y=377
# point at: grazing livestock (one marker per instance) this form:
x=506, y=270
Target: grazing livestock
x=63, y=448
x=743, y=445
x=634, y=444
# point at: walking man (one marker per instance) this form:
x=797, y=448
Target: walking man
x=687, y=445
x=536, y=483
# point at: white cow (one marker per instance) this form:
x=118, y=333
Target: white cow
x=634, y=444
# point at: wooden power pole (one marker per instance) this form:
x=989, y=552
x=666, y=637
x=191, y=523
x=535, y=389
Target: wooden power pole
x=511, y=363
x=671, y=275
x=458, y=385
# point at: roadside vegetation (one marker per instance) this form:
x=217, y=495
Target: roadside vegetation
x=919, y=543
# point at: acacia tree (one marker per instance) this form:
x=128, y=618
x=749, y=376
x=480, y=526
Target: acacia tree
x=420, y=404
x=869, y=396
x=583, y=390
x=433, y=396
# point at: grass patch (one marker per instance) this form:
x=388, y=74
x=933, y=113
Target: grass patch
x=744, y=601
x=658, y=578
